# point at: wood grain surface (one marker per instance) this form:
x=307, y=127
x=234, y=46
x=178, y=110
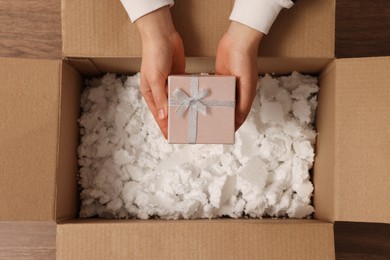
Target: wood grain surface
x=27, y=240
x=362, y=28
x=32, y=28
x=362, y=241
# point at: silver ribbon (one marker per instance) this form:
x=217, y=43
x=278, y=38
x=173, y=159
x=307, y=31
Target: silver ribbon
x=186, y=102
x=194, y=103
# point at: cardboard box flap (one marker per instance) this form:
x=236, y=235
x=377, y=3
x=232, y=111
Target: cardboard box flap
x=89, y=67
x=362, y=140
x=29, y=98
x=67, y=194
x=199, y=239
x=102, y=29
x=306, y=30
x=324, y=170
x=85, y=66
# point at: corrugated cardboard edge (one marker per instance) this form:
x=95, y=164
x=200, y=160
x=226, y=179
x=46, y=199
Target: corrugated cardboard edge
x=362, y=161
x=199, y=239
x=96, y=66
x=324, y=165
x=63, y=31
x=84, y=65
x=67, y=165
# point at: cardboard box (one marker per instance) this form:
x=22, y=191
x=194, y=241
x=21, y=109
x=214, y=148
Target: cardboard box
x=39, y=136
x=208, y=121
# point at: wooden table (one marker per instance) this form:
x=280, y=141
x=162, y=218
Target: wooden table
x=32, y=28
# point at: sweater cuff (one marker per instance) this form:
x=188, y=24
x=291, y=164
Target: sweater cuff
x=258, y=14
x=138, y=8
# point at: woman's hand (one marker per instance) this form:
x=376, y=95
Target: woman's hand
x=162, y=55
x=237, y=56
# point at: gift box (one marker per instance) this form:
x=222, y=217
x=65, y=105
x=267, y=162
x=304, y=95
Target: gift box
x=201, y=109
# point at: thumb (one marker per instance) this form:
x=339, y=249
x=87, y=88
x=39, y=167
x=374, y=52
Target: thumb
x=159, y=92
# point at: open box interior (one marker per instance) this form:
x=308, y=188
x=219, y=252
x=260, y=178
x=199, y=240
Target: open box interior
x=339, y=88
x=76, y=69
x=338, y=84
x=153, y=231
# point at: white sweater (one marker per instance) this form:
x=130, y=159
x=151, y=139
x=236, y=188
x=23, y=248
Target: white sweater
x=258, y=14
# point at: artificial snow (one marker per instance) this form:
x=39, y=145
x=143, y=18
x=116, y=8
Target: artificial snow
x=128, y=170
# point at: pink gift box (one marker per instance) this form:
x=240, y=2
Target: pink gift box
x=201, y=109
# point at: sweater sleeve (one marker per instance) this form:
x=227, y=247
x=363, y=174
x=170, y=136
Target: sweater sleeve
x=139, y=8
x=258, y=14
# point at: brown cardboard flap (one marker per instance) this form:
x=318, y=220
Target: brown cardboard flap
x=67, y=192
x=200, y=239
x=362, y=144
x=324, y=171
x=29, y=98
x=97, y=28
x=102, y=29
x=129, y=66
x=306, y=30
x=201, y=24
x=85, y=66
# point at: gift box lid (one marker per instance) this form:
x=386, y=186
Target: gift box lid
x=211, y=123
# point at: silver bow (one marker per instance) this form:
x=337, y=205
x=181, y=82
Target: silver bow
x=186, y=102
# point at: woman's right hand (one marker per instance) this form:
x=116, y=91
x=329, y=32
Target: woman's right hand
x=162, y=55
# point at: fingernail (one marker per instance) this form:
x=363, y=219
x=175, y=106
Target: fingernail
x=161, y=114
